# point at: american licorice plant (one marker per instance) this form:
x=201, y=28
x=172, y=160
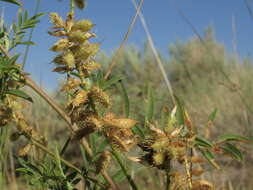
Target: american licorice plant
x=175, y=150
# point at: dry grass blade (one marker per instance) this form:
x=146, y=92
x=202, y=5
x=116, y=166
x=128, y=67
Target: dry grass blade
x=158, y=60
x=119, y=50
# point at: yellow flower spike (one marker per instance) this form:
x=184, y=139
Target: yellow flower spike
x=56, y=20
x=61, y=45
x=69, y=59
x=103, y=162
x=83, y=25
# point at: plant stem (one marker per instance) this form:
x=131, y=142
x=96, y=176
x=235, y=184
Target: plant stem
x=72, y=6
x=156, y=55
x=30, y=37
x=168, y=182
x=119, y=50
x=129, y=178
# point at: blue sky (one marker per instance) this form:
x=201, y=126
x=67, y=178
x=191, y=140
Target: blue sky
x=112, y=18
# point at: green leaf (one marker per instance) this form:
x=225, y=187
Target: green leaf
x=26, y=43
x=233, y=151
x=65, y=146
x=234, y=137
x=19, y=93
x=200, y=141
x=180, y=112
x=37, y=16
x=126, y=99
x=210, y=158
x=16, y=2
x=13, y=59
x=112, y=81
x=212, y=115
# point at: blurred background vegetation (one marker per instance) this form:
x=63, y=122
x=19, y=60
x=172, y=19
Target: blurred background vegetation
x=201, y=72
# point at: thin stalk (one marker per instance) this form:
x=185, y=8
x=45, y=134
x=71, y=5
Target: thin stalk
x=129, y=178
x=187, y=169
x=72, y=6
x=119, y=50
x=168, y=181
x=157, y=57
x=30, y=37
x=62, y=113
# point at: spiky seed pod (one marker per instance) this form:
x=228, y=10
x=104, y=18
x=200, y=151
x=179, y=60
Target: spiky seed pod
x=83, y=25
x=202, y=185
x=103, y=162
x=61, y=45
x=99, y=96
x=159, y=158
x=80, y=98
x=69, y=59
x=24, y=150
x=197, y=172
x=71, y=84
x=160, y=144
x=56, y=20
